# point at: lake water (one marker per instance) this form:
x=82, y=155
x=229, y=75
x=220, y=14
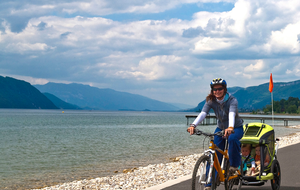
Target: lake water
x=45, y=147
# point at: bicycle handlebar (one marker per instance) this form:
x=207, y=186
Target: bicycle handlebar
x=220, y=133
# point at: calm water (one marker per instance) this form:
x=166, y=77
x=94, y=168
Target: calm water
x=45, y=147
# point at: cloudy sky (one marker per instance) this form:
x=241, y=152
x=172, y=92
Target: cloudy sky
x=168, y=50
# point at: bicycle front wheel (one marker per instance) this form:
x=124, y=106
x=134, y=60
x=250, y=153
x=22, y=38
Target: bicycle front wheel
x=200, y=174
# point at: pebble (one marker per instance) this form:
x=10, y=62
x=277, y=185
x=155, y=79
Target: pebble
x=154, y=174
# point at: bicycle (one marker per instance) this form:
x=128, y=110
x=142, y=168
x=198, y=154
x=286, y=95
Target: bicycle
x=210, y=162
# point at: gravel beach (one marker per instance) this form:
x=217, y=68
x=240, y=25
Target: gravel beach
x=151, y=175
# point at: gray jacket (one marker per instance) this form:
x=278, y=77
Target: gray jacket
x=230, y=104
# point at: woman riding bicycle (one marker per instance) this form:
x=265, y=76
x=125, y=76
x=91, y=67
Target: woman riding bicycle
x=225, y=107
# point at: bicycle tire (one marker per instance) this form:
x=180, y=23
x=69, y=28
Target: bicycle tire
x=240, y=182
x=275, y=169
x=236, y=182
x=199, y=176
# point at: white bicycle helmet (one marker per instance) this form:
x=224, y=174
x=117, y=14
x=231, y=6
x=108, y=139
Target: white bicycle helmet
x=218, y=81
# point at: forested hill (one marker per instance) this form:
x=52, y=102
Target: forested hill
x=257, y=97
x=20, y=94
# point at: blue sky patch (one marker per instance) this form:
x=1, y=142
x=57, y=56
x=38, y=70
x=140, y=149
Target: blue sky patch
x=184, y=12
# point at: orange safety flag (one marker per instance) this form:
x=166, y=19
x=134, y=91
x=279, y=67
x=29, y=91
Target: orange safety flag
x=271, y=84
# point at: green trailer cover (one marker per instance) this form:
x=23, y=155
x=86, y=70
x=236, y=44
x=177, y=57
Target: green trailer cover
x=257, y=133
x=262, y=134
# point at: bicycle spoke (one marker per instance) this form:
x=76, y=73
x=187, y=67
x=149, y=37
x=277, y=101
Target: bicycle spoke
x=199, y=178
x=275, y=169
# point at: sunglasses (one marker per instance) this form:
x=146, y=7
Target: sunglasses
x=215, y=89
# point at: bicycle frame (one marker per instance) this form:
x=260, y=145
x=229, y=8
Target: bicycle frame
x=213, y=149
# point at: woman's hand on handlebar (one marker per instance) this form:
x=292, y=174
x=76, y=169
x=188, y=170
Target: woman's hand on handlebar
x=191, y=129
x=228, y=131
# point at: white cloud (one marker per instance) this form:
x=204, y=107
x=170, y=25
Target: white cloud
x=23, y=47
x=285, y=40
x=29, y=79
x=212, y=44
x=242, y=45
x=253, y=26
x=240, y=14
x=244, y=75
x=28, y=9
x=259, y=66
x=224, y=31
x=295, y=71
x=278, y=68
x=155, y=68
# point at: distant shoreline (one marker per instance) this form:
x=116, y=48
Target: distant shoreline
x=250, y=113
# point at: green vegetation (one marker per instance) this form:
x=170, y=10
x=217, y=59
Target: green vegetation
x=291, y=105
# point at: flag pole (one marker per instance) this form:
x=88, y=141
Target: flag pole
x=272, y=110
x=271, y=91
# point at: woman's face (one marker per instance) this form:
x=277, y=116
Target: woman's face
x=218, y=91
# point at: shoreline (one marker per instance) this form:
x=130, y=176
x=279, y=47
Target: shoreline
x=154, y=175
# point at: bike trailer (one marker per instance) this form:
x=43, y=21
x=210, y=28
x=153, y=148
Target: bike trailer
x=262, y=135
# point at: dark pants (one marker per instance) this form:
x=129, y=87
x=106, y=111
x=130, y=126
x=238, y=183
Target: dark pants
x=234, y=149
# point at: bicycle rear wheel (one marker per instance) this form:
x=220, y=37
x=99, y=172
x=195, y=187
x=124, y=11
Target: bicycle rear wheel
x=200, y=174
x=275, y=169
x=235, y=183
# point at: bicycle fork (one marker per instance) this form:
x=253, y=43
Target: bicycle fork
x=207, y=170
x=211, y=167
x=215, y=163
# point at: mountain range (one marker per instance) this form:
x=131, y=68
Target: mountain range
x=256, y=97
x=21, y=94
x=87, y=97
x=60, y=103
